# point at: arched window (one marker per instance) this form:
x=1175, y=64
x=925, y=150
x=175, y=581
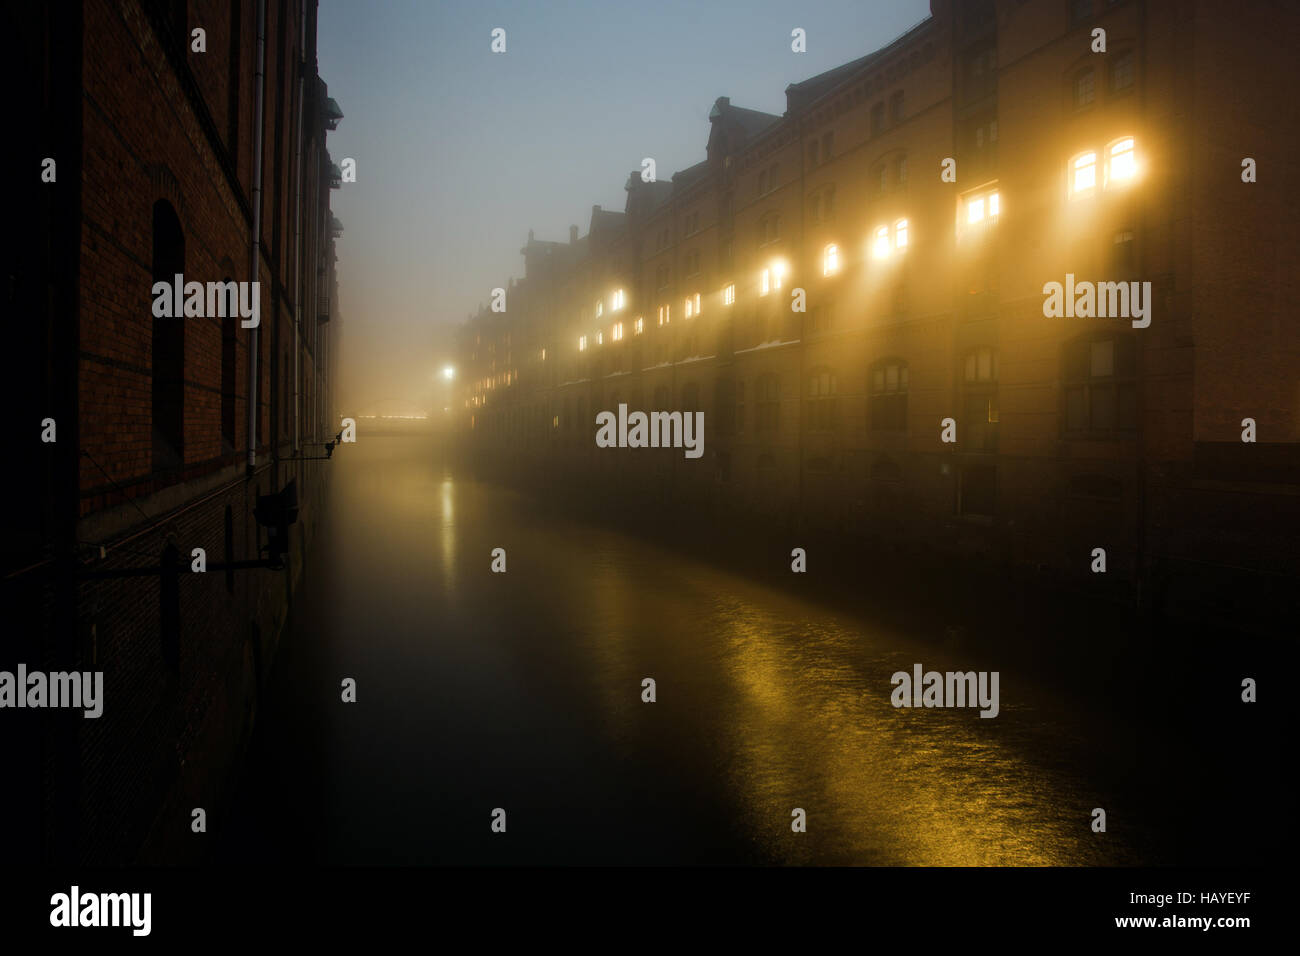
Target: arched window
x=228, y=387
x=168, y=399
x=889, y=385
x=1083, y=175
x=830, y=259
x=821, y=399
x=1121, y=162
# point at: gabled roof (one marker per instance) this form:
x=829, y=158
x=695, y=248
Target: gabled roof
x=800, y=94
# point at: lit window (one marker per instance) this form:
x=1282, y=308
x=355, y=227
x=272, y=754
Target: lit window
x=668, y=314
x=543, y=355
x=689, y=307
x=639, y=327
x=880, y=247
x=1122, y=163
x=600, y=308
x=1083, y=175
x=765, y=283
x=618, y=331
x=778, y=270
x=618, y=299
x=729, y=294
x=697, y=303
x=600, y=337
x=582, y=343
x=900, y=234
x=831, y=260
x=981, y=211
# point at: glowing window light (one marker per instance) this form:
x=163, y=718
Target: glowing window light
x=993, y=204
x=1123, y=161
x=689, y=306
x=697, y=303
x=661, y=315
x=831, y=260
x=975, y=210
x=900, y=234
x=1085, y=173
x=778, y=271
x=880, y=247
x=600, y=337
x=639, y=327
x=765, y=282
x=582, y=343
x=729, y=294
x=618, y=300
x=600, y=308
x=618, y=331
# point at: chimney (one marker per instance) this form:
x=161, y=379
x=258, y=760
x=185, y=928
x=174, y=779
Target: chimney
x=573, y=234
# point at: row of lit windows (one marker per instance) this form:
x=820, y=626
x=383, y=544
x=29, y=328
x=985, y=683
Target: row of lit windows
x=980, y=208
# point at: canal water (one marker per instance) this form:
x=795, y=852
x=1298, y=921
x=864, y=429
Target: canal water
x=523, y=691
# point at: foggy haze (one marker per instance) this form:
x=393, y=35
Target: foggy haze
x=460, y=151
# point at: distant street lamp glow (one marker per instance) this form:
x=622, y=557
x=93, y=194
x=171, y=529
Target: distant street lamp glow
x=448, y=373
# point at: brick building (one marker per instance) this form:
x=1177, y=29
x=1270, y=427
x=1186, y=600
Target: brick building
x=925, y=301
x=190, y=138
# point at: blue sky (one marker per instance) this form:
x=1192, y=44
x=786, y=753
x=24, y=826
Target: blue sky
x=461, y=151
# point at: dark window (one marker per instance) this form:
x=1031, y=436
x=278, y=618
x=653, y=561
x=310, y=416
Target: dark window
x=168, y=345
x=1080, y=10
x=889, y=396
x=886, y=469
x=1096, y=486
x=896, y=107
x=725, y=406
x=828, y=139
x=1084, y=89
x=821, y=400
x=978, y=489
x=1101, y=387
x=1121, y=72
x=768, y=403
x=1123, y=258
x=228, y=387
x=980, y=400
x=877, y=119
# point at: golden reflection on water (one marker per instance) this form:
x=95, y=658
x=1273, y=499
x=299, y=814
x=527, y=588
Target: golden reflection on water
x=927, y=786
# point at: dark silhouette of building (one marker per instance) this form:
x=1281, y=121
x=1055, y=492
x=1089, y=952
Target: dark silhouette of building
x=186, y=138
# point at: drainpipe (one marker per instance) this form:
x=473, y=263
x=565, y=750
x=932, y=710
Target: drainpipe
x=255, y=254
x=297, y=224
